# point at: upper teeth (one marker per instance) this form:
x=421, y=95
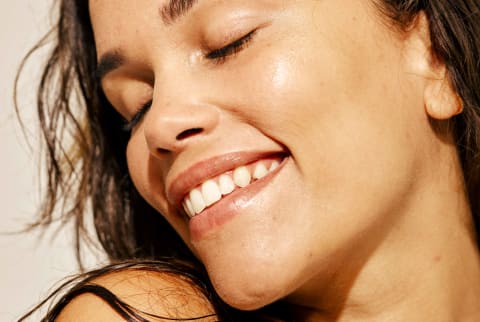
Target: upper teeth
x=212, y=190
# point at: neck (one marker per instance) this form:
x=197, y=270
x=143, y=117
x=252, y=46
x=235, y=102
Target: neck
x=427, y=267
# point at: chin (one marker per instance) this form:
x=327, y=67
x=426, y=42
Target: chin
x=248, y=297
x=255, y=286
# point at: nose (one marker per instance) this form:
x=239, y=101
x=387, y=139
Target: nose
x=173, y=124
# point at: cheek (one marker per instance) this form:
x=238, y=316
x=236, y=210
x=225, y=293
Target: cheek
x=145, y=173
x=333, y=101
x=340, y=108
x=146, y=176
x=136, y=161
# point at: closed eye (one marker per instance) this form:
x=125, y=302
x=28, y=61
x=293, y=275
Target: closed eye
x=222, y=54
x=137, y=117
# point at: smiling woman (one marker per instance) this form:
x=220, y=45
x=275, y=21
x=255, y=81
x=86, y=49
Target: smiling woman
x=324, y=155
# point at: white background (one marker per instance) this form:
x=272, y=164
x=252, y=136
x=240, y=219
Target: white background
x=30, y=266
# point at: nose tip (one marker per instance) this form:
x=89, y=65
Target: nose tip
x=173, y=129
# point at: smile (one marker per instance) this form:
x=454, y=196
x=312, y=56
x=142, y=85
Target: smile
x=214, y=189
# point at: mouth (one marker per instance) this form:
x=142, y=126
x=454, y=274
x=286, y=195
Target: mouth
x=213, y=190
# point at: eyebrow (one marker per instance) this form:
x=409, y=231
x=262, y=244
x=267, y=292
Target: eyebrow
x=107, y=63
x=175, y=9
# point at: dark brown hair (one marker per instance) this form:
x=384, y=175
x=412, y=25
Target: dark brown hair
x=88, y=173
x=85, y=151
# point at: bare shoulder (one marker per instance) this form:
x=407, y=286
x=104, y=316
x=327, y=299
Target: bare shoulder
x=150, y=294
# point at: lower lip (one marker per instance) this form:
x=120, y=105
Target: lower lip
x=228, y=207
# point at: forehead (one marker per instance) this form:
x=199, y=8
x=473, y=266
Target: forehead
x=120, y=23
x=115, y=21
x=168, y=10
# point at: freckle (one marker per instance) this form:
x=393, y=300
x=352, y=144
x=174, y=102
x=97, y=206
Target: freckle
x=437, y=258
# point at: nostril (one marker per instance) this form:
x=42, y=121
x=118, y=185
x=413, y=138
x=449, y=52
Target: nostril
x=188, y=133
x=162, y=151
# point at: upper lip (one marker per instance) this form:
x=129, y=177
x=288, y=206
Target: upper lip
x=199, y=172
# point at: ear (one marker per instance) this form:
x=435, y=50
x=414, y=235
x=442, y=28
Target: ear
x=441, y=100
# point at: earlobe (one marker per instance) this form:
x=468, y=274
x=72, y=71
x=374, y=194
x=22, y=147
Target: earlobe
x=441, y=100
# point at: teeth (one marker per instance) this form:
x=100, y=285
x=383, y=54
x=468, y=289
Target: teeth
x=241, y=177
x=189, y=208
x=274, y=165
x=197, y=201
x=260, y=171
x=211, y=192
x=226, y=184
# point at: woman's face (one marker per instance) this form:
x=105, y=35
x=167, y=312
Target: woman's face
x=320, y=88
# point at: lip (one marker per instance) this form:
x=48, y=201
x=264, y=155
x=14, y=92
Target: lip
x=229, y=206
x=184, y=182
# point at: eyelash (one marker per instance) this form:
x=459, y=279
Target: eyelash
x=137, y=117
x=219, y=56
